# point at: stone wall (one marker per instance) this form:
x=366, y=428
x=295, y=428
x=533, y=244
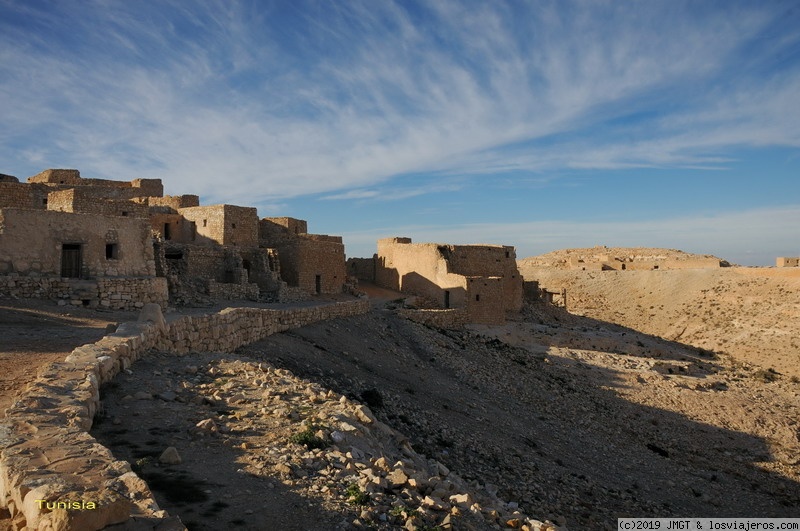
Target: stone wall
x=31, y=242
x=312, y=262
x=125, y=293
x=454, y=318
x=224, y=224
x=21, y=195
x=103, y=187
x=362, y=268
x=233, y=292
x=174, y=202
x=784, y=261
x=486, y=300
x=77, y=200
x=481, y=278
x=46, y=452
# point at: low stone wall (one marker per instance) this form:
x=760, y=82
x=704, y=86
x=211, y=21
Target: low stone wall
x=453, y=318
x=232, y=292
x=116, y=293
x=54, y=475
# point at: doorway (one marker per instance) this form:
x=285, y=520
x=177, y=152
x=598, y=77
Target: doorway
x=71, y=263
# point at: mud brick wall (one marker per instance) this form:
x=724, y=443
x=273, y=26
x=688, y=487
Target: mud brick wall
x=46, y=452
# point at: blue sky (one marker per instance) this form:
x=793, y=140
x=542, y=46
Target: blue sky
x=541, y=124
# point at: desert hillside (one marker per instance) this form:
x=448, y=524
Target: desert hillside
x=559, y=259
x=751, y=313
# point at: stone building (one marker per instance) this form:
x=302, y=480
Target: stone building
x=784, y=261
x=314, y=263
x=120, y=244
x=483, y=279
x=62, y=244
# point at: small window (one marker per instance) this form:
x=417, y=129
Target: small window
x=124, y=213
x=112, y=251
x=205, y=222
x=477, y=298
x=508, y=254
x=233, y=225
x=44, y=202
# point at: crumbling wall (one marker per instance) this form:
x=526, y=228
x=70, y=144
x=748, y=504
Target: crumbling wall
x=21, y=195
x=362, y=268
x=46, y=451
x=76, y=200
x=314, y=263
x=483, y=279
x=100, y=188
x=174, y=202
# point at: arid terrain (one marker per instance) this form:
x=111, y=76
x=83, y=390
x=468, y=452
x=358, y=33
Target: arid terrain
x=661, y=393
x=753, y=314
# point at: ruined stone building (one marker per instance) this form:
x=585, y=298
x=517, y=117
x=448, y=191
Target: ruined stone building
x=784, y=261
x=314, y=263
x=482, y=279
x=118, y=244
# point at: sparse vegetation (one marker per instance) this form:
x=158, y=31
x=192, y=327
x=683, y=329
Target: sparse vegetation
x=309, y=438
x=356, y=496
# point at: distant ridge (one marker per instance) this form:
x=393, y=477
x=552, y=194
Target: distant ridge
x=560, y=259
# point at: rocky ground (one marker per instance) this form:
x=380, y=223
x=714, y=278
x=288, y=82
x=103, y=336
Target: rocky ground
x=753, y=314
x=558, y=417
x=562, y=418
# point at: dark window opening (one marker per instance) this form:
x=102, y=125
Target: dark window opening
x=205, y=222
x=246, y=265
x=318, y=283
x=112, y=251
x=655, y=267
x=44, y=201
x=124, y=213
x=173, y=255
x=508, y=254
x=71, y=260
x=233, y=225
x=477, y=298
x=446, y=299
x=623, y=267
x=167, y=234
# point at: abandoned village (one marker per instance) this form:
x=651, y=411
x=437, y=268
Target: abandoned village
x=122, y=244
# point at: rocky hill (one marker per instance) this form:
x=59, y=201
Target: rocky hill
x=559, y=417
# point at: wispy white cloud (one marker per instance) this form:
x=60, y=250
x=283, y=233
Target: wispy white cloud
x=341, y=98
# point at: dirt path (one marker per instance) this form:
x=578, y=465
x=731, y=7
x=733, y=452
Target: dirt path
x=35, y=333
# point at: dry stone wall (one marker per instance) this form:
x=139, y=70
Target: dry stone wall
x=112, y=293
x=54, y=475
